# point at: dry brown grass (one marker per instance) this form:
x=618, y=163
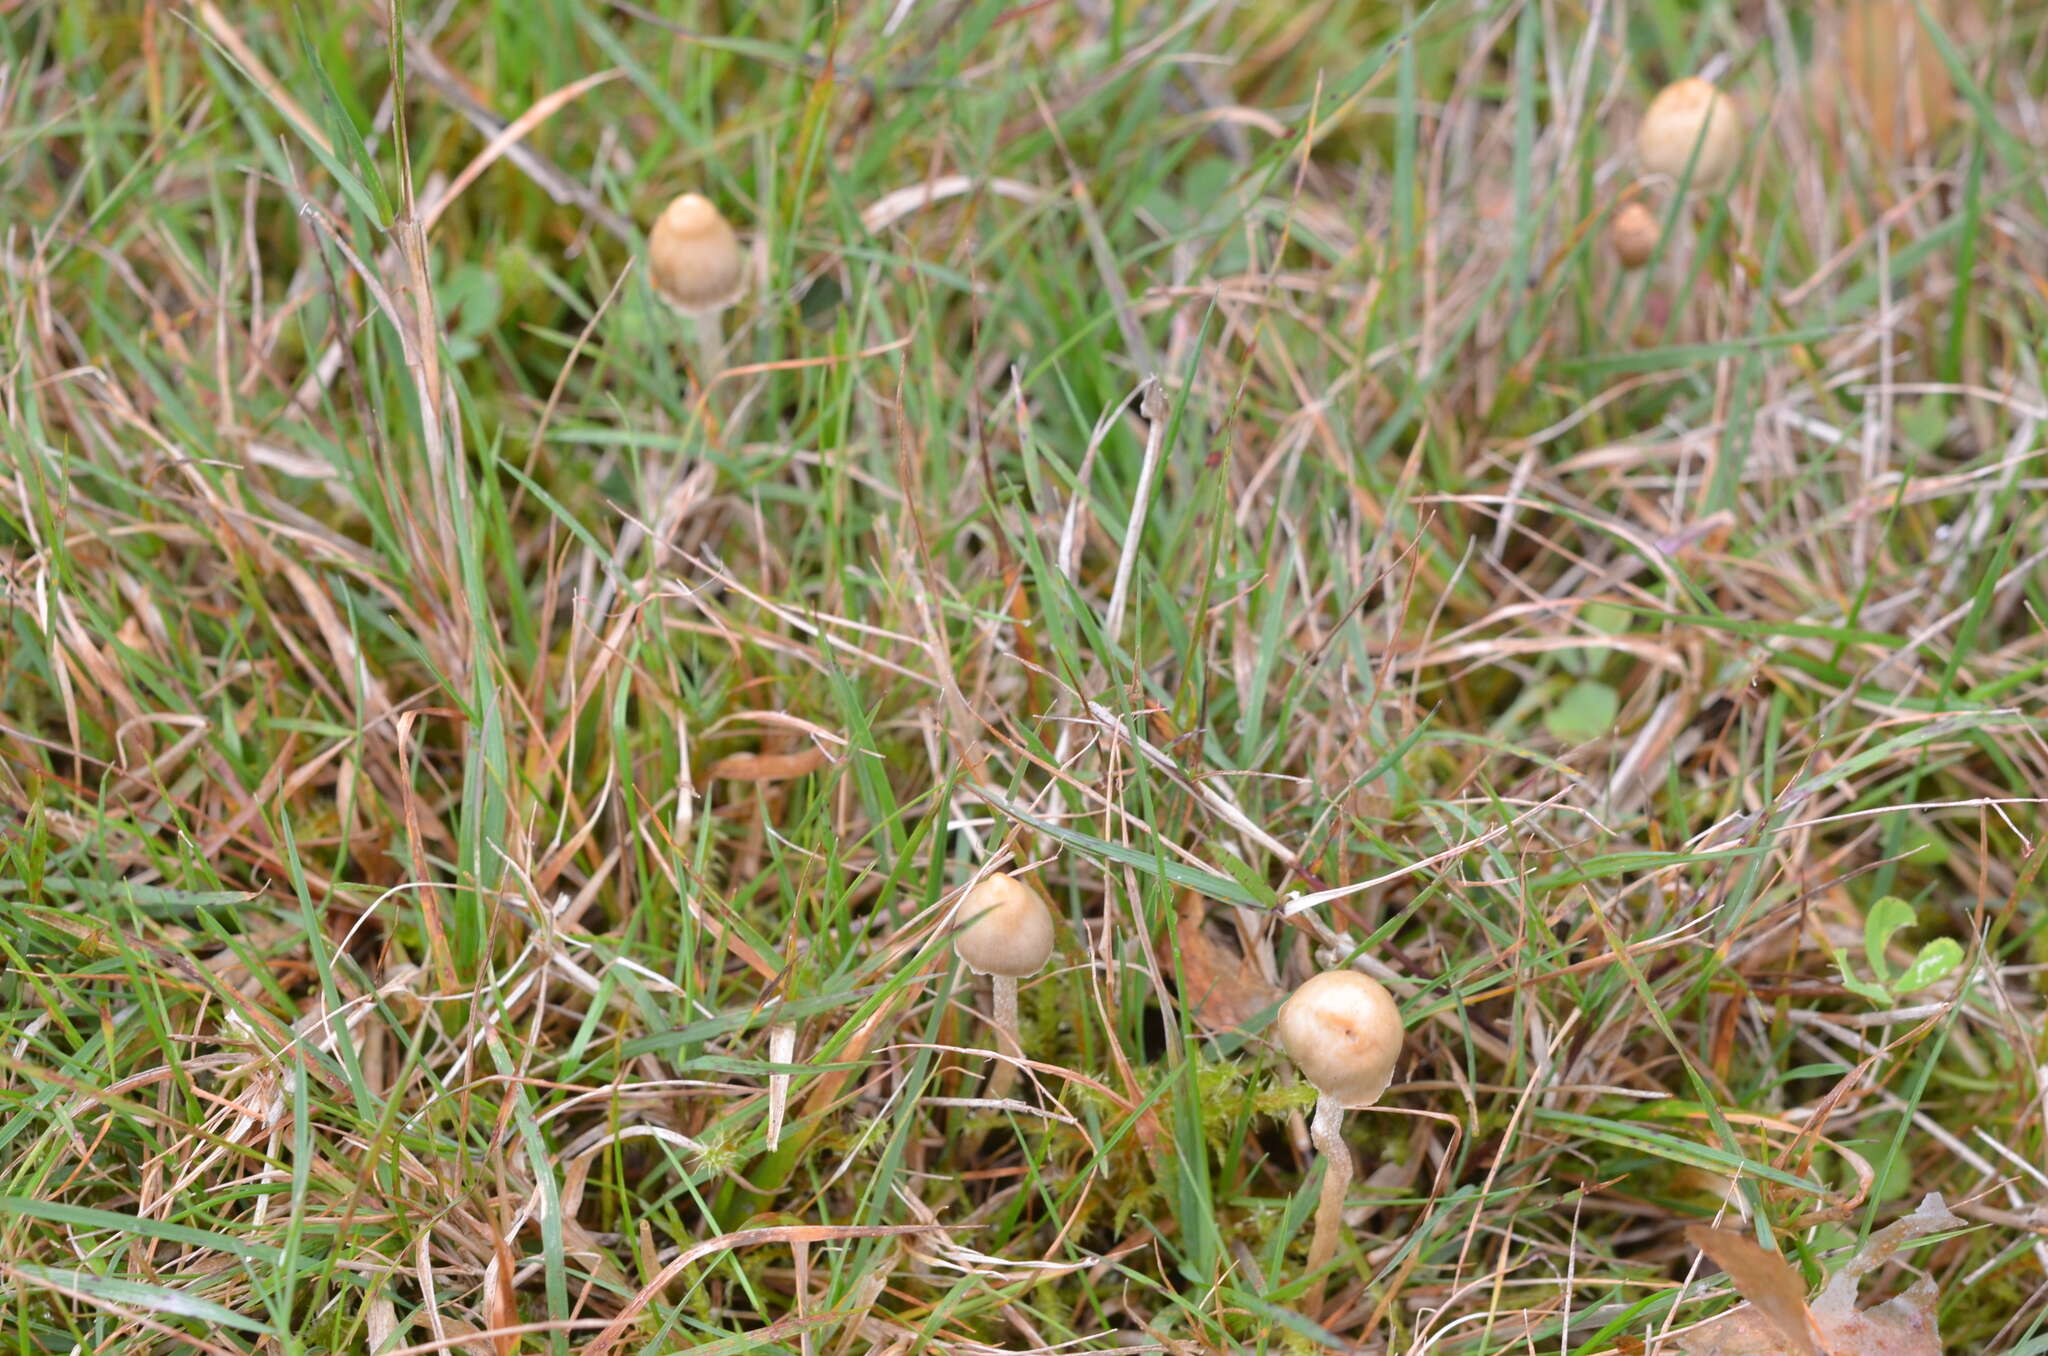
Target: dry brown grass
x=448, y=755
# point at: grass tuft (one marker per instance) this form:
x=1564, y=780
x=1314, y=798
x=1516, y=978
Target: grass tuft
x=470, y=766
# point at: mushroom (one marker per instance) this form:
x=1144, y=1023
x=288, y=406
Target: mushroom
x=1006, y=932
x=694, y=258
x=1690, y=125
x=1344, y=1031
x=696, y=265
x=1634, y=233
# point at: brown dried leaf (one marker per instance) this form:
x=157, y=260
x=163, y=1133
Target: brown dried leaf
x=1766, y=1280
x=1901, y=1326
x=766, y=767
x=501, y=1306
x=1739, y=1332
x=1221, y=988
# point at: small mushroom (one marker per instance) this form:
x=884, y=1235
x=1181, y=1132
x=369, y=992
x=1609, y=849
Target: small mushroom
x=1690, y=125
x=1005, y=932
x=1634, y=233
x=696, y=265
x=694, y=258
x=1344, y=1031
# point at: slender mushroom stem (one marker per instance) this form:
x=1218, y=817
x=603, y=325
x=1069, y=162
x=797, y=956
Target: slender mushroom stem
x=707, y=342
x=1326, y=1130
x=1008, y=1041
x=708, y=330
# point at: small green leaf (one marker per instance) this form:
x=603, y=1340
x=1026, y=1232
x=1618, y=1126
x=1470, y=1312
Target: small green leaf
x=1586, y=711
x=471, y=299
x=1886, y=917
x=1894, y=1171
x=1863, y=988
x=1925, y=424
x=1606, y=617
x=1928, y=849
x=820, y=300
x=1935, y=960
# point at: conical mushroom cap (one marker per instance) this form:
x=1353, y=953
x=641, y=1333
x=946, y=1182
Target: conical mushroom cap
x=1005, y=928
x=1685, y=114
x=1344, y=1030
x=693, y=256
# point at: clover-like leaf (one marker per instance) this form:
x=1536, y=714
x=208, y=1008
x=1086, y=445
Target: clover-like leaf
x=1863, y=988
x=1935, y=961
x=1586, y=711
x=1886, y=917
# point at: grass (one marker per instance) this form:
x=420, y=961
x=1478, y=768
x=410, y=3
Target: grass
x=410, y=870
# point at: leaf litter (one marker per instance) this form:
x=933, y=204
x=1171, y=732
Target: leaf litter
x=1779, y=1320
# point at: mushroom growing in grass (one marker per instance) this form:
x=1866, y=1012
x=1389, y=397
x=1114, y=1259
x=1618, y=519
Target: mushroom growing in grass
x=1006, y=932
x=1634, y=233
x=696, y=265
x=1344, y=1031
x=1690, y=125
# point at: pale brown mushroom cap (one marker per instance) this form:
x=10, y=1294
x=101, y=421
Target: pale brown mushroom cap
x=1688, y=113
x=1634, y=233
x=1344, y=1030
x=1005, y=928
x=694, y=258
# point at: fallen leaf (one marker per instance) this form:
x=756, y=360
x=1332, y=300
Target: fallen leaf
x=1739, y=1332
x=766, y=767
x=1765, y=1279
x=1221, y=988
x=1901, y=1326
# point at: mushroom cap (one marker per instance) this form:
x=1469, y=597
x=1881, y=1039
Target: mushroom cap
x=1685, y=114
x=1005, y=928
x=1634, y=233
x=1344, y=1030
x=694, y=258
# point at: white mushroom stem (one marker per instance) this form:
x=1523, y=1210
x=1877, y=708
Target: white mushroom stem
x=708, y=330
x=1326, y=1130
x=1008, y=1041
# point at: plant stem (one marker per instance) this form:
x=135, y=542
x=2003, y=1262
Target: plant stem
x=1326, y=1130
x=708, y=330
x=1007, y=1042
x=801, y=1256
